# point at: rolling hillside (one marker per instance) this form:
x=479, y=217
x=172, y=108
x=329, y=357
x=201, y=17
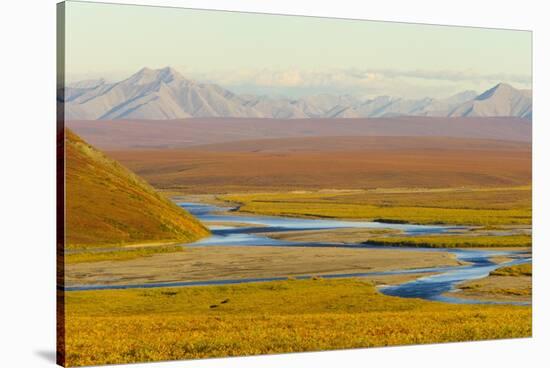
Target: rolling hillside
x=108, y=205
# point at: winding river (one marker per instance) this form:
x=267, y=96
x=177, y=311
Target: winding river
x=248, y=231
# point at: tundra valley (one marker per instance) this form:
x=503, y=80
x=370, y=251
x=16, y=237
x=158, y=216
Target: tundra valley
x=205, y=223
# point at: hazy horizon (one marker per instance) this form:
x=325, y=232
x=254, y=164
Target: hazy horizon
x=293, y=56
x=276, y=94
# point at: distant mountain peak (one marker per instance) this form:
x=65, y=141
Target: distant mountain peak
x=500, y=100
x=159, y=94
x=147, y=75
x=143, y=76
x=168, y=73
x=499, y=88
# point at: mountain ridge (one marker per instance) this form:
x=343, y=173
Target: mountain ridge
x=165, y=94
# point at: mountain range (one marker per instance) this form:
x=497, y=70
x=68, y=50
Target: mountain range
x=165, y=94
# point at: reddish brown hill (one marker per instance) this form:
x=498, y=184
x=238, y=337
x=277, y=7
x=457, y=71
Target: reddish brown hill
x=106, y=204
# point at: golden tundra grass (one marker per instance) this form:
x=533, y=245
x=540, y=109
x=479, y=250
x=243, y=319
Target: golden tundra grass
x=394, y=238
x=446, y=241
x=486, y=207
x=108, y=205
x=121, y=254
x=510, y=283
x=525, y=269
x=125, y=326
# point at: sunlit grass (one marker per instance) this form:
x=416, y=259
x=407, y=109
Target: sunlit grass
x=501, y=291
x=121, y=254
x=124, y=326
x=108, y=205
x=509, y=283
x=517, y=270
x=455, y=241
x=486, y=207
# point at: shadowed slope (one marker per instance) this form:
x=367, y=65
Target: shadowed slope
x=109, y=205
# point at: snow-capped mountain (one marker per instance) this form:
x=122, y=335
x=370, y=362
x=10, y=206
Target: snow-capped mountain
x=501, y=100
x=153, y=94
x=165, y=94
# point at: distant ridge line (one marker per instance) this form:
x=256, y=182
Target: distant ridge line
x=164, y=94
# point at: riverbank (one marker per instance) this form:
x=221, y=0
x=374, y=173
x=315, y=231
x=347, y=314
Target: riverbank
x=505, y=285
x=451, y=206
x=389, y=237
x=244, y=254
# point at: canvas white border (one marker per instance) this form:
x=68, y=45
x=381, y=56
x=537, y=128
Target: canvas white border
x=27, y=311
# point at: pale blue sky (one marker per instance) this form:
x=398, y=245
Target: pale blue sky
x=292, y=55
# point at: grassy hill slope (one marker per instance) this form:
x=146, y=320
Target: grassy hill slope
x=108, y=205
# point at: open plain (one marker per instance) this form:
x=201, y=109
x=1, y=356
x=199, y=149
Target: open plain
x=291, y=204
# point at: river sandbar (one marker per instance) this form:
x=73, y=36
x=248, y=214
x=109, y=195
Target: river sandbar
x=235, y=262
